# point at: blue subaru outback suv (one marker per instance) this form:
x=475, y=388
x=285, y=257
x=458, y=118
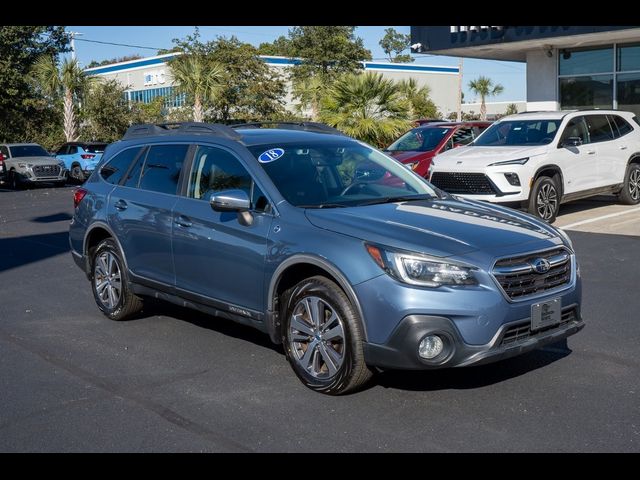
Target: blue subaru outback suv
x=332, y=248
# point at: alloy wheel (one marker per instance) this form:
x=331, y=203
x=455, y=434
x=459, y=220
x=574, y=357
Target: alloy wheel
x=634, y=184
x=547, y=201
x=107, y=280
x=317, y=337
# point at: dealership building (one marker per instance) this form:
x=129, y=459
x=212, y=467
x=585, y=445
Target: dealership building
x=567, y=67
x=149, y=78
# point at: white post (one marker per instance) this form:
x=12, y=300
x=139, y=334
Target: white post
x=459, y=116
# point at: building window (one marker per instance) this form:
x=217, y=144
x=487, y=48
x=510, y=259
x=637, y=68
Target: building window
x=592, y=91
x=585, y=61
x=171, y=98
x=628, y=58
x=629, y=92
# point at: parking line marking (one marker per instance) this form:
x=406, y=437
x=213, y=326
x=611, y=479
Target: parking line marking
x=591, y=220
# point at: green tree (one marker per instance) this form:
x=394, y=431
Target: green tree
x=309, y=92
x=367, y=107
x=327, y=51
x=105, y=112
x=66, y=80
x=152, y=112
x=251, y=89
x=511, y=109
x=419, y=98
x=24, y=111
x=484, y=87
x=394, y=43
x=281, y=46
x=199, y=77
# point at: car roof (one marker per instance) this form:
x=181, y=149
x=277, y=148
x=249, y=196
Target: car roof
x=21, y=144
x=472, y=123
x=260, y=136
x=84, y=143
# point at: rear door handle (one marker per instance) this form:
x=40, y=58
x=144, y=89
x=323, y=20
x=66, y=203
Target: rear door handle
x=591, y=152
x=120, y=205
x=622, y=147
x=183, y=221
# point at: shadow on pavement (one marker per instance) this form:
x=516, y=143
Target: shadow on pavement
x=57, y=217
x=18, y=251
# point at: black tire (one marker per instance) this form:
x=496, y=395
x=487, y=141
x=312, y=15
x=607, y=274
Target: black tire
x=14, y=181
x=630, y=193
x=350, y=372
x=77, y=174
x=127, y=303
x=544, y=199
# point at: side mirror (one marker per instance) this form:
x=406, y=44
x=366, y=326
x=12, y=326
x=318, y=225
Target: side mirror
x=571, y=142
x=230, y=201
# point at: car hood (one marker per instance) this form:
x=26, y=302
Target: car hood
x=408, y=156
x=473, y=156
x=443, y=227
x=35, y=160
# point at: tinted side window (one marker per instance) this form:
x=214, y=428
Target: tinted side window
x=622, y=124
x=63, y=150
x=162, y=168
x=215, y=169
x=599, y=128
x=576, y=128
x=115, y=169
x=4, y=151
x=73, y=149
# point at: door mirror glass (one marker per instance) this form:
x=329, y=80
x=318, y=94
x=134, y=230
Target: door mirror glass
x=230, y=201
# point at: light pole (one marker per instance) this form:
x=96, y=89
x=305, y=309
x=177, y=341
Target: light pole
x=73, y=43
x=459, y=116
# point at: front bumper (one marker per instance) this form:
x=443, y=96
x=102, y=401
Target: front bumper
x=30, y=177
x=515, y=338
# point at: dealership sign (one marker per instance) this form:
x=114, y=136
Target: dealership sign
x=154, y=77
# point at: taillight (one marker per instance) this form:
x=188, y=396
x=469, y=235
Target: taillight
x=78, y=195
x=87, y=156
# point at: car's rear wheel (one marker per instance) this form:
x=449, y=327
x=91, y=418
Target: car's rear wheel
x=109, y=282
x=544, y=199
x=77, y=174
x=630, y=193
x=322, y=337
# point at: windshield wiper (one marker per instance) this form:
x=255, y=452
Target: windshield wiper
x=323, y=205
x=402, y=198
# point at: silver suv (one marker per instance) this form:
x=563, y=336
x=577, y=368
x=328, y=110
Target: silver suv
x=22, y=163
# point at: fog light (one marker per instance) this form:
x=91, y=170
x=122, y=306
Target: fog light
x=430, y=347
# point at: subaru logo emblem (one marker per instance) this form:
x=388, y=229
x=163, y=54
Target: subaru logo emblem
x=540, y=265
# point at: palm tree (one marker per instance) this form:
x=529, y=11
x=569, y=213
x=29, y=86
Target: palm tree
x=199, y=78
x=484, y=87
x=309, y=92
x=368, y=107
x=419, y=97
x=67, y=79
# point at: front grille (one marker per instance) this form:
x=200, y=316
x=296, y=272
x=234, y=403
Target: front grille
x=46, y=170
x=519, y=333
x=472, y=183
x=518, y=279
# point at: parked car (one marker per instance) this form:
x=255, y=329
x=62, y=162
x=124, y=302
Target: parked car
x=298, y=232
x=81, y=158
x=418, y=146
x=29, y=163
x=426, y=121
x=539, y=160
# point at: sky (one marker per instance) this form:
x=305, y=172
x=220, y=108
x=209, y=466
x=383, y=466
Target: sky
x=511, y=75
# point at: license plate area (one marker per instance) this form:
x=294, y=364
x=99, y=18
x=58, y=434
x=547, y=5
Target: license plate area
x=546, y=314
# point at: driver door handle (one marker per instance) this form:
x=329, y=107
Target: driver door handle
x=183, y=221
x=591, y=152
x=120, y=205
x=622, y=147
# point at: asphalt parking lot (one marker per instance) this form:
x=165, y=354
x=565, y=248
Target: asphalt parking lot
x=177, y=380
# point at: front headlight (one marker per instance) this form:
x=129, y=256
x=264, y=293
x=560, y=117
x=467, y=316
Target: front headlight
x=519, y=161
x=25, y=165
x=422, y=270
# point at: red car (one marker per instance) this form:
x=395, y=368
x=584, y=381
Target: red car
x=418, y=146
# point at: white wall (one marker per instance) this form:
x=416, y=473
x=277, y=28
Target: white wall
x=494, y=108
x=542, y=80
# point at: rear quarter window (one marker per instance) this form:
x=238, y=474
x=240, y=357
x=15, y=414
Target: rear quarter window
x=115, y=169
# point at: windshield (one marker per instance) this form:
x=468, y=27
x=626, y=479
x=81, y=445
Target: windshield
x=338, y=174
x=419, y=140
x=95, y=148
x=519, y=132
x=28, y=151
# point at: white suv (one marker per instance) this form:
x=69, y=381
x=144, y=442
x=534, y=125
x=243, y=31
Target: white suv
x=539, y=160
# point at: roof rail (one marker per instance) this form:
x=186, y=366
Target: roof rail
x=306, y=126
x=176, y=128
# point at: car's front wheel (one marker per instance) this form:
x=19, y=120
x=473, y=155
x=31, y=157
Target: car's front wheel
x=544, y=199
x=323, y=338
x=109, y=283
x=14, y=180
x=630, y=193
